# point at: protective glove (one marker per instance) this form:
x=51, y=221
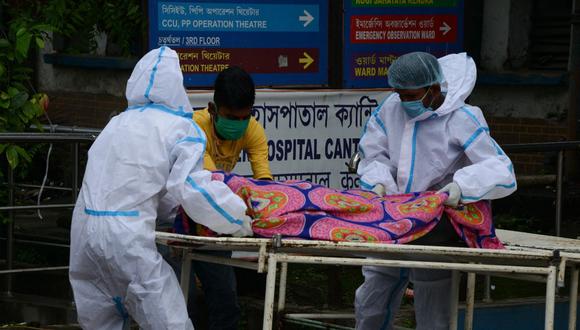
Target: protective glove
x=379, y=189
x=246, y=228
x=454, y=192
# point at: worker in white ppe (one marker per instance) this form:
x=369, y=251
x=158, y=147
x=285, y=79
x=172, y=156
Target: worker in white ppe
x=146, y=161
x=425, y=137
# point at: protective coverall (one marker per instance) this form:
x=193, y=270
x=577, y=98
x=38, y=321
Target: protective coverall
x=426, y=152
x=145, y=161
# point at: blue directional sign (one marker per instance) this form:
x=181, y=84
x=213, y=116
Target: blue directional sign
x=377, y=32
x=280, y=42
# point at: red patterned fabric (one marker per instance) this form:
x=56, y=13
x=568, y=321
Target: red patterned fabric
x=304, y=210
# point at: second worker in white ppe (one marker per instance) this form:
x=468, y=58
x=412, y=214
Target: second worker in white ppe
x=425, y=137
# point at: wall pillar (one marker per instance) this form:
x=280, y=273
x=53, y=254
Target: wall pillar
x=495, y=34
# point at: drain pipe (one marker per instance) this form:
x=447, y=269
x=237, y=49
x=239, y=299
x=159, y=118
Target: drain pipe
x=9, y=235
x=574, y=87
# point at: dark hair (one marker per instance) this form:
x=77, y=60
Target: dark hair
x=234, y=89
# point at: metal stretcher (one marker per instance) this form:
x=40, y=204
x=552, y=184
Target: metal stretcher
x=527, y=257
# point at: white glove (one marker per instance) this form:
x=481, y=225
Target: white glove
x=246, y=228
x=454, y=194
x=379, y=189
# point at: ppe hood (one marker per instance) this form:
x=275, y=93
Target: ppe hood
x=157, y=78
x=460, y=75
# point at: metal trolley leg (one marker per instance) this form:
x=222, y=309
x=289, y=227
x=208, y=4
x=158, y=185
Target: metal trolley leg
x=270, y=292
x=282, y=288
x=469, y=301
x=185, y=275
x=454, y=299
x=550, y=298
x=573, y=298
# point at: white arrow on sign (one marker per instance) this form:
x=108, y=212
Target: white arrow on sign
x=306, y=18
x=445, y=28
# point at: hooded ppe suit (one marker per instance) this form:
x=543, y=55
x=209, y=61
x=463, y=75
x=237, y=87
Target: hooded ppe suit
x=146, y=160
x=426, y=152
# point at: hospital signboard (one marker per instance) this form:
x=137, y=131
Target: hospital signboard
x=280, y=42
x=403, y=28
x=311, y=134
x=377, y=32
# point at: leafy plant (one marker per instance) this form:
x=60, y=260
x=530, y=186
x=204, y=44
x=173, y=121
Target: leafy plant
x=123, y=23
x=20, y=106
x=77, y=23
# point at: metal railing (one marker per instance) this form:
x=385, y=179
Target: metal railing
x=82, y=136
x=559, y=147
x=61, y=138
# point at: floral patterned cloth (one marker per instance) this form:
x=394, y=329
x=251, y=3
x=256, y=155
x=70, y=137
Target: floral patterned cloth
x=300, y=209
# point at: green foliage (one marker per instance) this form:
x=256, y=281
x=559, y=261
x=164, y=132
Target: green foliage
x=19, y=106
x=122, y=21
x=73, y=20
x=77, y=23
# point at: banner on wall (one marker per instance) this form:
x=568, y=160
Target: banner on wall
x=377, y=32
x=279, y=42
x=311, y=135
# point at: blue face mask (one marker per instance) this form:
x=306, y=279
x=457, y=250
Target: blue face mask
x=416, y=108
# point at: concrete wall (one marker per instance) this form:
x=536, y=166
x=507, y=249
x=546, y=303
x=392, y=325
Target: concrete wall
x=538, y=102
x=517, y=113
x=54, y=78
x=506, y=33
x=81, y=96
x=520, y=24
x=495, y=34
x=525, y=114
x=84, y=109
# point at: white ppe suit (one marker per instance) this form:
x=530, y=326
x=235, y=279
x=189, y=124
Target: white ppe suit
x=427, y=152
x=145, y=161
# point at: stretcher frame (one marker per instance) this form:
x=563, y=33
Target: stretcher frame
x=527, y=257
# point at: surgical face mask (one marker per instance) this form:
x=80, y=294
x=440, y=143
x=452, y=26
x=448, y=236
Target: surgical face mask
x=231, y=129
x=416, y=108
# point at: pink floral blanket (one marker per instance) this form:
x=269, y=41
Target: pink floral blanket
x=300, y=209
